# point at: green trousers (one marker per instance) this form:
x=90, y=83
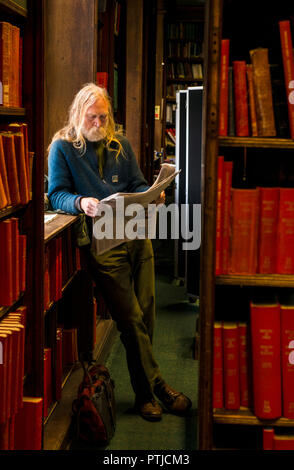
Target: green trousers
x=125, y=275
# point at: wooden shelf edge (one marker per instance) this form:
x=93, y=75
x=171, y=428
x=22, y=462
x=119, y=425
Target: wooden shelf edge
x=266, y=280
x=13, y=7
x=244, y=416
x=7, y=211
x=261, y=142
x=12, y=111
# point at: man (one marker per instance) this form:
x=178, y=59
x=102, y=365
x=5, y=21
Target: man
x=88, y=161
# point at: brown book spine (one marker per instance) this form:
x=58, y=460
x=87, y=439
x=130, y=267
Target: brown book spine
x=21, y=167
x=3, y=172
x=5, y=59
x=240, y=98
x=252, y=104
x=10, y=160
x=263, y=92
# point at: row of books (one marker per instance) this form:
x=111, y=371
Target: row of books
x=171, y=136
x=13, y=248
x=184, y=70
x=184, y=50
x=62, y=260
x=255, y=97
x=12, y=348
x=254, y=227
x=170, y=114
x=252, y=366
x=273, y=441
x=65, y=354
x=10, y=65
x=15, y=165
x=185, y=31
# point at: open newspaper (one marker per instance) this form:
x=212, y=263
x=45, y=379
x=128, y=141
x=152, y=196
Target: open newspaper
x=115, y=221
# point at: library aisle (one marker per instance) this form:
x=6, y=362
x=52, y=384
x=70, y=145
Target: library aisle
x=173, y=347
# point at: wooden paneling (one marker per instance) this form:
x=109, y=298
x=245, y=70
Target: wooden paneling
x=70, y=56
x=134, y=64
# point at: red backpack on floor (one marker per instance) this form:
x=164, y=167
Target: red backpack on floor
x=94, y=409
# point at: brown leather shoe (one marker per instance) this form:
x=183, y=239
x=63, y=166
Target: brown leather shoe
x=175, y=402
x=150, y=410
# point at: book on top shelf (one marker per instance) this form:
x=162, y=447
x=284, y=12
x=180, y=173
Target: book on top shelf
x=288, y=66
x=251, y=101
x=240, y=98
x=224, y=87
x=263, y=92
x=266, y=360
x=231, y=104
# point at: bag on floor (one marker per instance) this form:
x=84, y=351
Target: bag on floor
x=94, y=409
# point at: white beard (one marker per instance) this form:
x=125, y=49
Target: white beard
x=94, y=134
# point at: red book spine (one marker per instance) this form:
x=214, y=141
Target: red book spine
x=231, y=366
x=47, y=298
x=6, y=272
x=29, y=424
x=266, y=353
x=268, y=221
x=244, y=231
x=283, y=442
x=218, y=385
x=240, y=96
x=11, y=167
x=226, y=211
x=267, y=438
x=244, y=366
x=17, y=379
x=47, y=381
x=224, y=87
x=285, y=238
x=4, y=355
x=94, y=322
x=58, y=365
x=287, y=335
x=288, y=64
x=252, y=104
x=23, y=261
x=102, y=79
x=219, y=231
x=15, y=257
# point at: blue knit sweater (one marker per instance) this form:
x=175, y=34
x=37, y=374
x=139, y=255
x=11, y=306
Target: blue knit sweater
x=72, y=175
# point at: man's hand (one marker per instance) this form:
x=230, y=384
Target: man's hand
x=89, y=205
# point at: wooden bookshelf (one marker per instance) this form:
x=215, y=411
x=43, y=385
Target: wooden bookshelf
x=257, y=142
x=269, y=280
x=245, y=417
x=10, y=111
x=183, y=45
x=215, y=289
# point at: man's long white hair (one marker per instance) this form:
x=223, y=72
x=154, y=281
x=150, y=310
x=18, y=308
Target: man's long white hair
x=72, y=131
